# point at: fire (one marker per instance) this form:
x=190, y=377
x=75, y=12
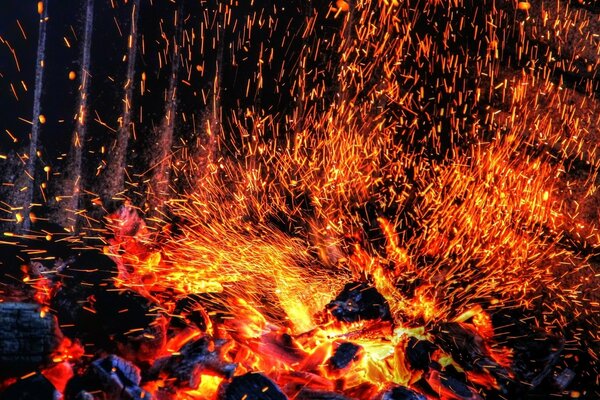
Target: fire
x=60, y=373
x=479, y=220
x=209, y=386
x=434, y=193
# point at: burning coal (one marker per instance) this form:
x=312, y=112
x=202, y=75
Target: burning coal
x=406, y=226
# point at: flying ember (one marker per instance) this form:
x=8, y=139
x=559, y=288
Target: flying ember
x=345, y=200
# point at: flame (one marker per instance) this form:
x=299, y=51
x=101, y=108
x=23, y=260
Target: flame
x=209, y=386
x=479, y=227
x=60, y=373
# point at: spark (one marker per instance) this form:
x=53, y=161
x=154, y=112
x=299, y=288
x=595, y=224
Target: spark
x=407, y=161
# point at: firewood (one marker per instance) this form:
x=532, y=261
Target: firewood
x=194, y=358
x=358, y=301
x=402, y=393
x=344, y=355
x=448, y=386
x=308, y=394
x=92, y=309
x=418, y=353
x=35, y=387
x=115, y=377
x=468, y=348
x=28, y=337
x=252, y=386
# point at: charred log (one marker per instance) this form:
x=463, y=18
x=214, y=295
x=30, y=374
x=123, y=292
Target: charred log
x=536, y=353
x=113, y=376
x=344, y=355
x=35, y=387
x=564, y=379
x=252, y=386
x=402, y=393
x=189, y=312
x=357, y=302
x=535, y=357
x=90, y=268
x=418, y=353
x=468, y=348
x=115, y=320
x=28, y=338
x=449, y=387
x=92, y=309
x=192, y=360
x=307, y=394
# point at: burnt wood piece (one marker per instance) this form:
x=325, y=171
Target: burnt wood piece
x=92, y=309
x=21, y=257
x=190, y=312
x=308, y=394
x=115, y=377
x=281, y=346
x=194, y=358
x=344, y=355
x=418, y=353
x=252, y=386
x=28, y=338
x=468, y=348
x=91, y=267
x=536, y=353
x=35, y=387
x=359, y=301
x=564, y=379
x=402, y=393
x=83, y=395
x=447, y=386
x=535, y=357
x=114, y=320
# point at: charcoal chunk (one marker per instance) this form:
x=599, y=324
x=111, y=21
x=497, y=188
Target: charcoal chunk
x=92, y=267
x=456, y=386
x=282, y=346
x=448, y=386
x=127, y=373
x=83, y=395
x=418, y=353
x=36, y=387
x=308, y=394
x=117, y=378
x=535, y=356
x=28, y=338
x=189, y=312
x=564, y=379
x=344, y=354
x=402, y=393
x=468, y=348
x=535, y=352
x=358, y=301
x=195, y=357
x=465, y=345
x=252, y=386
x=119, y=321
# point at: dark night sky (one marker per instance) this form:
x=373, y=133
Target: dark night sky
x=108, y=66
